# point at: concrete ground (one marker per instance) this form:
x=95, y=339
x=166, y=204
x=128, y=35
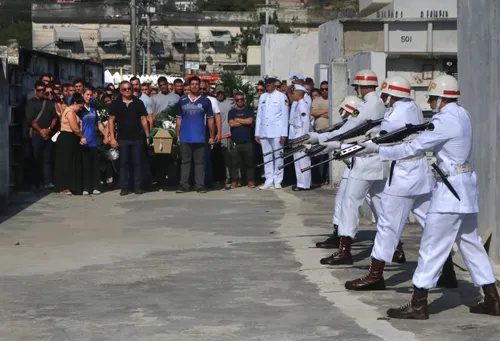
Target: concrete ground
x=235, y=265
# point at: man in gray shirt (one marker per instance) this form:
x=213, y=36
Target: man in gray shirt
x=225, y=105
x=164, y=99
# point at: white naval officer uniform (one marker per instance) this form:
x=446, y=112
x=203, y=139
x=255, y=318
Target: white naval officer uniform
x=410, y=188
x=271, y=124
x=300, y=125
x=368, y=173
x=448, y=219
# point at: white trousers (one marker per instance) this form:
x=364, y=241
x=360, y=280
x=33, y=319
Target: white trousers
x=356, y=191
x=440, y=232
x=391, y=222
x=338, y=201
x=303, y=179
x=273, y=175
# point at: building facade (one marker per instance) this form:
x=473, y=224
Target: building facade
x=199, y=40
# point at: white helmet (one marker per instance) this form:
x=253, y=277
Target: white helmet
x=396, y=86
x=365, y=78
x=350, y=103
x=444, y=86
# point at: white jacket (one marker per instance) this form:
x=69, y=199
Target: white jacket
x=452, y=143
x=272, y=115
x=300, y=119
x=409, y=177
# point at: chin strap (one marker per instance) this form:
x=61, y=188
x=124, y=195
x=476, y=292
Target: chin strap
x=387, y=102
x=438, y=105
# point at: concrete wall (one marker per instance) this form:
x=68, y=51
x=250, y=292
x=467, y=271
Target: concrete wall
x=4, y=130
x=479, y=78
x=284, y=54
x=330, y=41
x=414, y=9
x=254, y=55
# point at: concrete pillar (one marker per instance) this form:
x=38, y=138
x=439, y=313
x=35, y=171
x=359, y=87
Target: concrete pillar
x=479, y=78
x=338, y=88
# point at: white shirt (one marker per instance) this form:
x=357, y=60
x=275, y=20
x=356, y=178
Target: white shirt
x=300, y=119
x=215, y=105
x=272, y=115
x=452, y=143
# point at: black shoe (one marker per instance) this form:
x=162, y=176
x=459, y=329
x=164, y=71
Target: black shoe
x=139, y=192
x=182, y=190
x=298, y=189
x=124, y=192
x=201, y=190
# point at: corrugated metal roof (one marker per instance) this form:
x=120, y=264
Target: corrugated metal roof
x=110, y=34
x=67, y=34
x=219, y=36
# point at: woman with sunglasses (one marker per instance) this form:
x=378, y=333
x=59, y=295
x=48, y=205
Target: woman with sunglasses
x=68, y=171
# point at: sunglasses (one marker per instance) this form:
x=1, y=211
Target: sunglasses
x=324, y=89
x=126, y=89
x=40, y=90
x=260, y=90
x=239, y=99
x=49, y=93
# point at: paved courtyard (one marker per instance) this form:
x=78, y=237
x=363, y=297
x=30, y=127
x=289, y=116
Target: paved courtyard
x=235, y=265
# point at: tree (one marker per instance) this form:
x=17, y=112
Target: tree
x=250, y=35
x=233, y=83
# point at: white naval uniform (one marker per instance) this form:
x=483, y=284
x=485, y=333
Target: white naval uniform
x=300, y=125
x=368, y=173
x=271, y=124
x=410, y=188
x=448, y=219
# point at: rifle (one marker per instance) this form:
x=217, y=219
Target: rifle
x=316, y=149
x=355, y=132
x=397, y=135
x=299, y=141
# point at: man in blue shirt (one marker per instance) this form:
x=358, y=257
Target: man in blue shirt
x=195, y=111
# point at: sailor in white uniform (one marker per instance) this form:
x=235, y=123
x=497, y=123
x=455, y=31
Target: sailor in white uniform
x=452, y=215
x=271, y=131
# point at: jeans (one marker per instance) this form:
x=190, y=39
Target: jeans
x=130, y=162
x=193, y=153
x=242, y=159
x=227, y=148
x=91, y=169
x=42, y=157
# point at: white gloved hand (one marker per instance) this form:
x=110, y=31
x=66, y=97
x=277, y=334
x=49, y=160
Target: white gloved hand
x=330, y=146
x=370, y=148
x=313, y=137
x=307, y=147
x=373, y=132
x=322, y=138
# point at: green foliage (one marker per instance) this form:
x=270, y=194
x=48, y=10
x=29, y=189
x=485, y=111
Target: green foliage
x=233, y=83
x=250, y=35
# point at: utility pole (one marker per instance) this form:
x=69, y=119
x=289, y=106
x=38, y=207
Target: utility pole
x=148, y=46
x=267, y=12
x=133, y=36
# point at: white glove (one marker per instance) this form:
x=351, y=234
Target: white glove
x=323, y=137
x=307, y=147
x=370, y=148
x=373, y=132
x=330, y=146
x=313, y=137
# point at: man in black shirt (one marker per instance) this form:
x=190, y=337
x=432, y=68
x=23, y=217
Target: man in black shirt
x=130, y=114
x=41, y=117
x=241, y=120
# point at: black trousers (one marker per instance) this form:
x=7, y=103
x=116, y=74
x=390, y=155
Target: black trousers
x=42, y=160
x=131, y=163
x=68, y=166
x=91, y=169
x=242, y=158
x=193, y=153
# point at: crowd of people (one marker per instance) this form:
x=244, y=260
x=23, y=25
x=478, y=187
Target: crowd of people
x=72, y=127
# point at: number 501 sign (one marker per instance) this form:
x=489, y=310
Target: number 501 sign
x=407, y=37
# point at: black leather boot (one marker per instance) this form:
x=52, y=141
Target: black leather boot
x=332, y=242
x=448, y=278
x=342, y=256
x=416, y=309
x=374, y=280
x=491, y=303
x=399, y=255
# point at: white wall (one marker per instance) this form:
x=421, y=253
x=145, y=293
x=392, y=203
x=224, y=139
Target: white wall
x=414, y=9
x=254, y=55
x=284, y=54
